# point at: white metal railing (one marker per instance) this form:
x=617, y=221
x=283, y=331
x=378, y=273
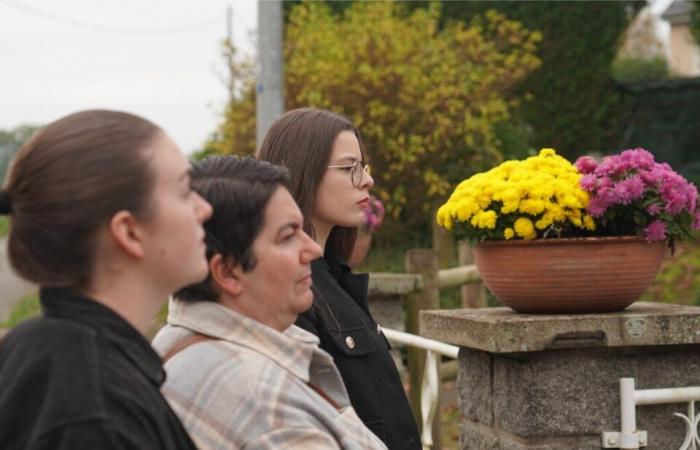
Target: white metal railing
x=431, y=376
x=631, y=438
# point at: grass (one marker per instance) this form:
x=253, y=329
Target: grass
x=449, y=426
x=4, y=226
x=29, y=306
x=678, y=280
x=24, y=309
x=384, y=259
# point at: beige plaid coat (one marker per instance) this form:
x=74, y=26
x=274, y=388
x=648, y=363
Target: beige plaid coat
x=248, y=389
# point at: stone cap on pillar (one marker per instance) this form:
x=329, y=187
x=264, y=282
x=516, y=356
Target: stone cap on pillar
x=502, y=330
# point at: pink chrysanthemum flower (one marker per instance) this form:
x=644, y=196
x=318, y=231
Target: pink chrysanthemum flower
x=588, y=182
x=623, y=186
x=629, y=189
x=595, y=207
x=654, y=209
x=656, y=231
x=586, y=164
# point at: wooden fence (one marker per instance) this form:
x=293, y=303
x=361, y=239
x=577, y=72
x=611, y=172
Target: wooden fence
x=419, y=289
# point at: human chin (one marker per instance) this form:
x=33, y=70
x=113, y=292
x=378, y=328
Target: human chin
x=304, y=298
x=305, y=302
x=353, y=219
x=200, y=265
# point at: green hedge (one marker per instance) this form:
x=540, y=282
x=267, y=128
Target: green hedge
x=663, y=117
x=576, y=106
x=4, y=226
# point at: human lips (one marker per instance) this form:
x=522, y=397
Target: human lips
x=201, y=238
x=305, y=279
x=303, y=284
x=364, y=203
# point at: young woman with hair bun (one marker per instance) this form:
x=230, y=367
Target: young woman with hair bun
x=103, y=219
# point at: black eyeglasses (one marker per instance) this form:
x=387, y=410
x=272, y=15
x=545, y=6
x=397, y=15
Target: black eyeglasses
x=356, y=169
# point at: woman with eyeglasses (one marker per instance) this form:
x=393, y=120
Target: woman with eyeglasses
x=330, y=181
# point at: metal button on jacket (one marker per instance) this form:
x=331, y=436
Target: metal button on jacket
x=350, y=342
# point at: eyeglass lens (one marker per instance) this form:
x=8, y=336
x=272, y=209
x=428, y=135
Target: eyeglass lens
x=358, y=170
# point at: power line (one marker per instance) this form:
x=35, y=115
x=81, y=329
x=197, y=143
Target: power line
x=65, y=20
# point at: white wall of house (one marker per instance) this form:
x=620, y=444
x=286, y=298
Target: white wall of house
x=684, y=54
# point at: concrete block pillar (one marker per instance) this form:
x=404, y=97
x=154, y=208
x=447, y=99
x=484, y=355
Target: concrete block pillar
x=551, y=382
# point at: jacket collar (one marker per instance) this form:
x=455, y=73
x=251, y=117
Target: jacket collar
x=354, y=284
x=292, y=349
x=65, y=304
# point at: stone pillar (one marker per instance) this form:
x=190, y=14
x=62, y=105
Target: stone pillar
x=387, y=293
x=551, y=382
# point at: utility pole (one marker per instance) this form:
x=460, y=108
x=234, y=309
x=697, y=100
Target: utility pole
x=231, y=82
x=269, y=97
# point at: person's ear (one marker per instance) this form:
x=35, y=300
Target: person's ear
x=225, y=275
x=125, y=231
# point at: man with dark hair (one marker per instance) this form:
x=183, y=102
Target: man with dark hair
x=240, y=373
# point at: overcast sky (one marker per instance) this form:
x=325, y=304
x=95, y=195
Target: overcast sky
x=156, y=58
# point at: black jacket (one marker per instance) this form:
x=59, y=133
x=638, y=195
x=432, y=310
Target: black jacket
x=81, y=377
x=340, y=317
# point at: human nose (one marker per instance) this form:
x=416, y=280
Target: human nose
x=202, y=208
x=367, y=181
x=311, y=249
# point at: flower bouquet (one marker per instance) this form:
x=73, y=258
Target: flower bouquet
x=551, y=236
x=630, y=193
x=539, y=197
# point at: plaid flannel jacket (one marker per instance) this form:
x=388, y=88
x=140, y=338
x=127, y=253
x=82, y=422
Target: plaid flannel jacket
x=248, y=389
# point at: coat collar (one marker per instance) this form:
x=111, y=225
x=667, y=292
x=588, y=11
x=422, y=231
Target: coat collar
x=65, y=304
x=354, y=284
x=292, y=349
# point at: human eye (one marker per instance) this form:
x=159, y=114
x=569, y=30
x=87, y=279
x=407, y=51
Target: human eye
x=187, y=188
x=288, y=234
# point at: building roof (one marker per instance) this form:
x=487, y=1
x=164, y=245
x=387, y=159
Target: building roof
x=678, y=12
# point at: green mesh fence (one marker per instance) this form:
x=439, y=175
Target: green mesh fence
x=664, y=117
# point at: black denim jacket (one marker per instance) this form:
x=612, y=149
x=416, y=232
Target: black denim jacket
x=81, y=377
x=340, y=317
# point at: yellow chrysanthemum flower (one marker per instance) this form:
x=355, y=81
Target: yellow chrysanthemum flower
x=518, y=199
x=524, y=228
x=508, y=233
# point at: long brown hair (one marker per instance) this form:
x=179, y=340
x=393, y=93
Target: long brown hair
x=69, y=179
x=302, y=140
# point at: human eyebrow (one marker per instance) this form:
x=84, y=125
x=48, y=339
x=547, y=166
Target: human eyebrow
x=346, y=159
x=185, y=176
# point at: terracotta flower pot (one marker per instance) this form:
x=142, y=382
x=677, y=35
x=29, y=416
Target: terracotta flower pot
x=569, y=275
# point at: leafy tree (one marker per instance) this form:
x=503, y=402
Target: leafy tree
x=426, y=99
x=236, y=133
x=575, y=106
x=10, y=142
x=695, y=19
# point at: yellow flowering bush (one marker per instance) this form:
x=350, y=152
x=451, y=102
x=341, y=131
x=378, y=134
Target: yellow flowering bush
x=538, y=197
